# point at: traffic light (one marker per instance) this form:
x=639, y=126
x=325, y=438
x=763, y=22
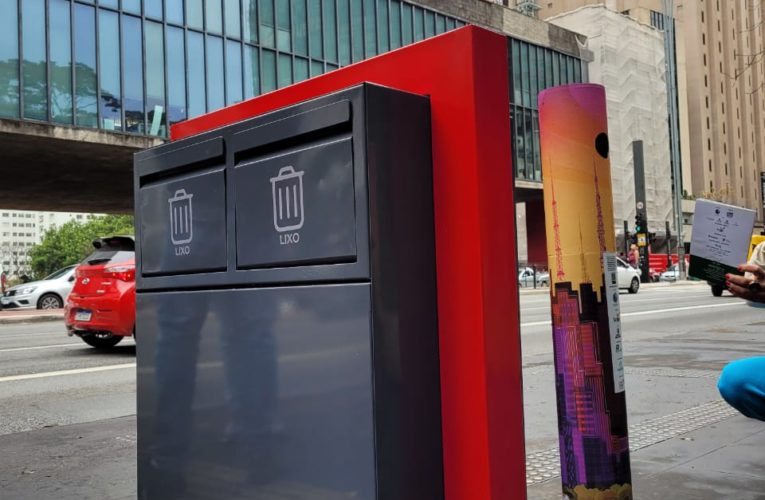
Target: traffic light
x=640, y=225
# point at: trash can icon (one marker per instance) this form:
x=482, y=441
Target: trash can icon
x=181, y=218
x=287, y=193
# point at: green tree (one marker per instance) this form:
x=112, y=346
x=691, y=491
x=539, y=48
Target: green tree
x=70, y=243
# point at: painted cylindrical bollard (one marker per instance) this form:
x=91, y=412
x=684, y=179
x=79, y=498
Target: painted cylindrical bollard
x=587, y=340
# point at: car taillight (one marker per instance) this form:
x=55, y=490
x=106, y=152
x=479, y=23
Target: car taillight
x=122, y=273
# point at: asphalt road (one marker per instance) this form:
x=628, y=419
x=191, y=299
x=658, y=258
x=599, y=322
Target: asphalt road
x=66, y=410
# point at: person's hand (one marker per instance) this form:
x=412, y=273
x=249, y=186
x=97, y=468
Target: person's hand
x=753, y=288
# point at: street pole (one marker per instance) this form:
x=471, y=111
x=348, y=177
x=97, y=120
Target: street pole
x=626, y=239
x=669, y=237
x=584, y=293
x=671, y=79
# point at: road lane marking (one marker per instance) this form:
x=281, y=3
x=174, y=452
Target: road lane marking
x=60, y=373
x=14, y=349
x=654, y=311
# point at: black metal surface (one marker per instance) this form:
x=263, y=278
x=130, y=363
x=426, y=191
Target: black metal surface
x=319, y=379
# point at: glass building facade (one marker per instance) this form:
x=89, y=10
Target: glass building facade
x=534, y=68
x=136, y=66
x=139, y=66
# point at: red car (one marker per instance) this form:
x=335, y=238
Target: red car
x=101, y=307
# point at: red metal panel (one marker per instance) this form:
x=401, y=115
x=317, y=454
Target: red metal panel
x=465, y=73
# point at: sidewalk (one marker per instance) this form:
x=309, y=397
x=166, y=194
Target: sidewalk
x=722, y=460
x=98, y=460
x=11, y=316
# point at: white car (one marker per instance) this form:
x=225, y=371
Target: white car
x=48, y=293
x=526, y=277
x=670, y=274
x=629, y=277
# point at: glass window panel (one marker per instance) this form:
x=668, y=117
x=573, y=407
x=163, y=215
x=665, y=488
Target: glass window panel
x=556, y=68
x=214, y=16
x=300, y=23
x=195, y=14
x=407, y=35
x=537, y=156
x=174, y=11
x=195, y=55
x=268, y=71
x=9, y=57
x=395, y=24
x=267, y=22
x=577, y=71
x=533, y=83
x=344, y=32
x=548, y=69
x=233, y=72
x=35, y=79
x=370, y=35
x=301, y=69
x=214, y=58
x=109, y=3
x=132, y=71
x=60, y=62
x=331, y=67
x=176, y=76
x=357, y=30
x=283, y=34
x=440, y=24
x=285, y=70
x=570, y=69
x=232, y=18
x=520, y=151
x=317, y=68
x=155, y=79
x=383, y=41
x=330, y=31
x=419, y=24
x=85, y=65
x=430, y=24
x=153, y=9
x=540, y=73
x=250, y=20
x=528, y=143
x=516, y=72
x=110, y=105
x=251, y=72
x=132, y=6
x=449, y=23
x=525, y=91
x=314, y=28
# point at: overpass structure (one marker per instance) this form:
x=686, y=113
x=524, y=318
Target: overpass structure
x=50, y=167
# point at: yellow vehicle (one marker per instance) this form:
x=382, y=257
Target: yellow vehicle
x=717, y=289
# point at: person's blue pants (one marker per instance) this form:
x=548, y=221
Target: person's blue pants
x=742, y=385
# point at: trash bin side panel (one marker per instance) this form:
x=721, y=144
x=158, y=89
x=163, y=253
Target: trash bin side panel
x=183, y=224
x=306, y=216
x=256, y=393
x=403, y=263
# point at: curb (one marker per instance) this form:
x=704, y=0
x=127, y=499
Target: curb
x=649, y=286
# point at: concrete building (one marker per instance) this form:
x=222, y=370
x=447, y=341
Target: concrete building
x=21, y=230
x=628, y=59
x=721, y=91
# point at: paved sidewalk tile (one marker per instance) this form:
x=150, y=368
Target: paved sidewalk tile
x=721, y=461
x=90, y=461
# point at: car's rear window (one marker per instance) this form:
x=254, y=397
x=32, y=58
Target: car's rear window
x=111, y=251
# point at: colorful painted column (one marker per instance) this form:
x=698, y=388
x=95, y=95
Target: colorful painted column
x=589, y=367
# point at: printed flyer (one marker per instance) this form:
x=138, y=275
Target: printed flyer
x=720, y=240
